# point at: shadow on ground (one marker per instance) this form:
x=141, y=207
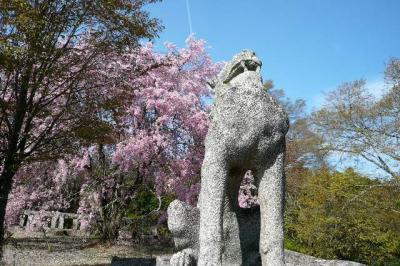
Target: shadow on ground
x=116, y=261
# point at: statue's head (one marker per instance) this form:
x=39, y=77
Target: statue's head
x=243, y=62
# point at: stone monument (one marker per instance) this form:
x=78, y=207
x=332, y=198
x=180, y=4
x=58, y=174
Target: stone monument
x=247, y=132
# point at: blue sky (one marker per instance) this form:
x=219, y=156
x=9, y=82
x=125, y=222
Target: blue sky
x=307, y=46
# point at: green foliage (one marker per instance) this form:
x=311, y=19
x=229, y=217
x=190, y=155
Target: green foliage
x=144, y=202
x=345, y=216
x=147, y=212
x=34, y=26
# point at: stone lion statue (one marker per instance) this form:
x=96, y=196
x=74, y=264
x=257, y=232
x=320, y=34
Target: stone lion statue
x=247, y=132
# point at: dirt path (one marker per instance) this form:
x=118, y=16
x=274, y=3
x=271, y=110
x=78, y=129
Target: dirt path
x=98, y=255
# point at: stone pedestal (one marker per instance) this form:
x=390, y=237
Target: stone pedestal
x=291, y=259
x=163, y=260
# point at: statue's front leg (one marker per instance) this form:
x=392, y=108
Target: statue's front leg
x=271, y=198
x=213, y=180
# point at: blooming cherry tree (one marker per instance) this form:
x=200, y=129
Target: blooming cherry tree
x=154, y=107
x=165, y=118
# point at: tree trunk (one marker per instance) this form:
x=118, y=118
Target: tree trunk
x=5, y=188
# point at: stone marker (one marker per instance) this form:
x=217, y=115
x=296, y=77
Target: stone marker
x=57, y=219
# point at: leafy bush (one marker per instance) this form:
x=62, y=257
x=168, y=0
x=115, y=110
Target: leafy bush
x=345, y=216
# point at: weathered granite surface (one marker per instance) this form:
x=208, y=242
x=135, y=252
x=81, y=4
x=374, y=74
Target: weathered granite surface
x=241, y=243
x=247, y=132
x=183, y=221
x=291, y=259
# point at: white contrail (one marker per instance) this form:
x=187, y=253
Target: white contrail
x=189, y=16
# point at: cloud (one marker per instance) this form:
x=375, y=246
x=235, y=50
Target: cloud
x=317, y=101
x=375, y=86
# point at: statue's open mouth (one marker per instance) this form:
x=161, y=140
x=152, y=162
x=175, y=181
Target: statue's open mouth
x=243, y=66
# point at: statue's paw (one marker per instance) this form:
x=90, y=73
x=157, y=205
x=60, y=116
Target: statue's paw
x=183, y=258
